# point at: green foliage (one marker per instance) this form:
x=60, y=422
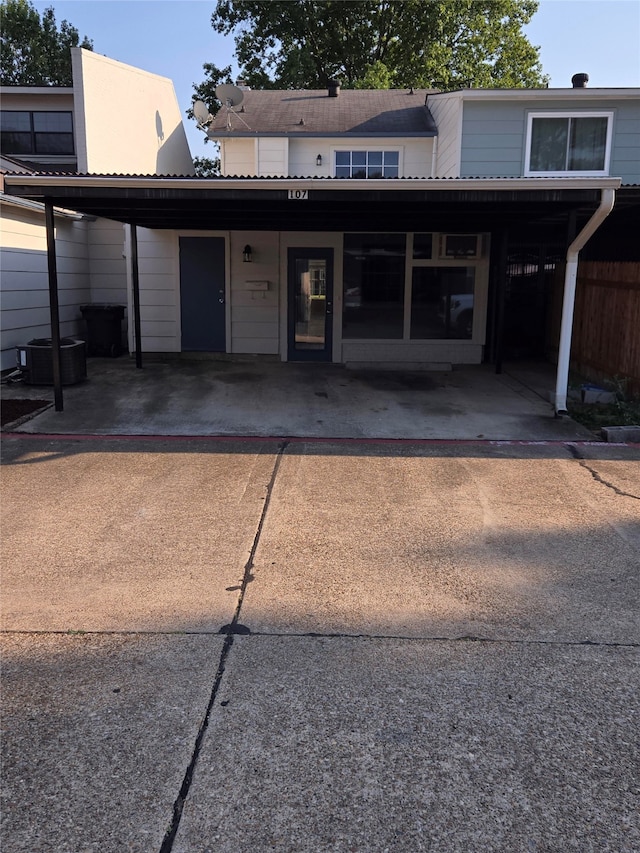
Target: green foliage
x=206, y=91
x=376, y=76
x=34, y=52
x=206, y=167
x=301, y=44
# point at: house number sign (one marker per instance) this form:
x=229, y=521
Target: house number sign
x=299, y=194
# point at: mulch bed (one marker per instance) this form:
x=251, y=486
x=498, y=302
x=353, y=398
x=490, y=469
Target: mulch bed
x=11, y=410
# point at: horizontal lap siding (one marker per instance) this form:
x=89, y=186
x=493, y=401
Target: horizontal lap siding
x=493, y=138
x=159, y=290
x=625, y=153
x=494, y=135
x=255, y=313
x=24, y=296
x=107, y=263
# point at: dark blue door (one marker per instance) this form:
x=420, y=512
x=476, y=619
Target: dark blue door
x=202, y=294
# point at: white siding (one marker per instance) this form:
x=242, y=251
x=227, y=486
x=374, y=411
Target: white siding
x=415, y=154
x=25, y=282
x=238, y=157
x=272, y=155
x=447, y=113
x=158, y=266
x=107, y=262
x=255, y=313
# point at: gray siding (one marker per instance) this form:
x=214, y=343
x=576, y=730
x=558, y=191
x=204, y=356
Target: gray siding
x=494, y=135
x=25, y=282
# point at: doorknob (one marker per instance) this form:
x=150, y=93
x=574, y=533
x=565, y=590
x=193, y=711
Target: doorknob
x=329, y=308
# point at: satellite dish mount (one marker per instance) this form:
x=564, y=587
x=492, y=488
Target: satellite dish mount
x=231, y=96
x=202, y=114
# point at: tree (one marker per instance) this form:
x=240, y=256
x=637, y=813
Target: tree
x=34, y=51
x=422, y=43
x=206, y=167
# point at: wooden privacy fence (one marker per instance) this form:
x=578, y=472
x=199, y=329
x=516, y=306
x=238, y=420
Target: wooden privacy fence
x=606, y=326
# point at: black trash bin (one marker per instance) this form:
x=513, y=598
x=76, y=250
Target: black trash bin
x=104, y=333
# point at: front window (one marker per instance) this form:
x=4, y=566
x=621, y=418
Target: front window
x=48, y=132
x=414, y=287
x=367, y=164
x=442, y=302
x=374, y=274
x=560, y=144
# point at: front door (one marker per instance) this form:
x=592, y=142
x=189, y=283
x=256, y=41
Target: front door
x=202, y=294
x=310, y=304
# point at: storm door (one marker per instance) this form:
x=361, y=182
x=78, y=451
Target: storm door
x=310, y=304
x=202, y=294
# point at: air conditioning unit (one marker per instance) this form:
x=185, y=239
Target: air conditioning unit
x=461, y=246
x=35, y=361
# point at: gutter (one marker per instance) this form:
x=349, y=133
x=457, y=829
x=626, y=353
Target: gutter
x=38, y=207
x=607, y=199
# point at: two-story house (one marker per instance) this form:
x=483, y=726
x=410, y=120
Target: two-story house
x=368, y=227
x=114, y=118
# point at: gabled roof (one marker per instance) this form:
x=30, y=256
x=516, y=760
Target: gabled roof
x=359, y=112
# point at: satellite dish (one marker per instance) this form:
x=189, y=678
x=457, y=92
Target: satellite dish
x=201, y=112
x=229, y=95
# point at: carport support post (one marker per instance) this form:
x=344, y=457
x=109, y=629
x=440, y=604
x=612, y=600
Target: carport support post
x=54, y=310
x=501, y=295
x=136, y=294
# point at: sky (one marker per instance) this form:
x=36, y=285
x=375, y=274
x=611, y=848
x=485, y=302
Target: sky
x=174, y=38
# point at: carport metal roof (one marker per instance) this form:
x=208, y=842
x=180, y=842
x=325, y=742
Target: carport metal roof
x=330, y=204
x=309, y=204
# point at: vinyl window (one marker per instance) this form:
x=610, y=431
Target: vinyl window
x=565, y=144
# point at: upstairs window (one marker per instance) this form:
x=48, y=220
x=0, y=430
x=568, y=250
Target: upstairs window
x=36, y=132
x=367, y=164
x=565, y=144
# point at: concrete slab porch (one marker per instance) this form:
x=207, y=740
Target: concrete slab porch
x=245, y=396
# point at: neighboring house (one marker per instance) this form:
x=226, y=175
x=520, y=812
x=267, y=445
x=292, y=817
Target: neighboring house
x=370, y=227
x=114, y=119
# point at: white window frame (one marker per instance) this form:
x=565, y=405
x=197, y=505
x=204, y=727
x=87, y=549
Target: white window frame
x=399, y=150
x=569, y=115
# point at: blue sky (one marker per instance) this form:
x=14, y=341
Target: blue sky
x=174, y=38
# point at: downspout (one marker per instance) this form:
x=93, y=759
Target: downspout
x=607, y=199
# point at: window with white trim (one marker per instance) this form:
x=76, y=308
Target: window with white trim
x=568, y=144
x=367, y=164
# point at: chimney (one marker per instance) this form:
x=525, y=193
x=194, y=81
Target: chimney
x=579, y=81
x=333, y=87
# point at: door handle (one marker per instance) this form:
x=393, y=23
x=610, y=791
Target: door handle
x=329, y=308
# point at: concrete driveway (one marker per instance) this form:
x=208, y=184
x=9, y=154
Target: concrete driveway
x=224, y=645
x=252, y=397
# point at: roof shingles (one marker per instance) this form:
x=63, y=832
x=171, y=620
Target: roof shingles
x=393, y=112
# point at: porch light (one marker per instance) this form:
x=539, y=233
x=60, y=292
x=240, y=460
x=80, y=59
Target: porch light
x=246, y=254
x=319, y=160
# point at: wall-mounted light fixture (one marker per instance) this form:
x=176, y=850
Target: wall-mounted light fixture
x=247, y=256
x=319, y=160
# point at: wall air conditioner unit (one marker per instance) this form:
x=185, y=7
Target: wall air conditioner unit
x=460, y=246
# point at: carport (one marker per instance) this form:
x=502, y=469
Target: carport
x=506, y=208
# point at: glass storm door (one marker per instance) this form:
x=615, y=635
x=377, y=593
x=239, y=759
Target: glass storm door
x=310, y=304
